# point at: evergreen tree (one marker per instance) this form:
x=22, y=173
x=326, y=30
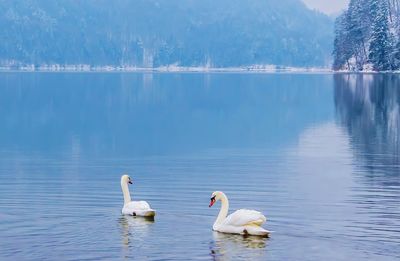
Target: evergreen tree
x=397, y=56
x=357, y=29
x=380, y=45
x=342, y=50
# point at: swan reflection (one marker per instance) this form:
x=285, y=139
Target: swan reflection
x=237, y=247
x=133, y=230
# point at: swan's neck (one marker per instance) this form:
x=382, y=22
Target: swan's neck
x=223, y=211
x=125, y=191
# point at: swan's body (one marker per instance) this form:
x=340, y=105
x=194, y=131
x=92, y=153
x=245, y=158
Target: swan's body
x=242, y=221
x=138, y=208
x=134, y=208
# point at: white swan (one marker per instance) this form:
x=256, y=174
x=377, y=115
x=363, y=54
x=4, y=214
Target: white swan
x=134, y=208
x=242, y=221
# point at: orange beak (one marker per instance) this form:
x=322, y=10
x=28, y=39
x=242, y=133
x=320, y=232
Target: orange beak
x=212, y=202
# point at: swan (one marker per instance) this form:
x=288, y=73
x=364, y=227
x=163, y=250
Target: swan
x=134, y=208
x=243, y=221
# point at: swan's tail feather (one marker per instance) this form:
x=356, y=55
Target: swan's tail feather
x=256, y=231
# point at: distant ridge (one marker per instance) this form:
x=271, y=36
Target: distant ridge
x=157, y=33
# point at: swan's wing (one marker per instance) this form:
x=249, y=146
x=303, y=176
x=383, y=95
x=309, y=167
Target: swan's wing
x=245, y=217
x=138, y=208
x=138, y=205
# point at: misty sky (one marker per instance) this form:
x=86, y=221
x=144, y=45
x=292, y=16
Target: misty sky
x=327, y=6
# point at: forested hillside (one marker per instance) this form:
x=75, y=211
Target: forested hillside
x=367, y=36
x=152, y=33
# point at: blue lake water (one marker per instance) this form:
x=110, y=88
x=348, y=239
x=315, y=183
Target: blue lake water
x=318, y=154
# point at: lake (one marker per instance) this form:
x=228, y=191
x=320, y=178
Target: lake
x=318, y=154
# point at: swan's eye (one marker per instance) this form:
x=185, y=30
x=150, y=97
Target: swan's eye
x=129, y=181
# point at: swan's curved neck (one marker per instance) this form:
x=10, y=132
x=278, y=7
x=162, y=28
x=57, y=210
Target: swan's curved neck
x=223, y=211
x=125, y=191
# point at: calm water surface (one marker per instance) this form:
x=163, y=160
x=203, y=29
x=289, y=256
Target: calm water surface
x=318, y=154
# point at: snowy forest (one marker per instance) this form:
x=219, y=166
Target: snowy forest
x=155, y=33
x=367, y=36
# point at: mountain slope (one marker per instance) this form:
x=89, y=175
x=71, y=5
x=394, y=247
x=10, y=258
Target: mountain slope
x=151, y=33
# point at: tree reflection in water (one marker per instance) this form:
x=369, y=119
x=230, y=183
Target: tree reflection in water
x=367, y=105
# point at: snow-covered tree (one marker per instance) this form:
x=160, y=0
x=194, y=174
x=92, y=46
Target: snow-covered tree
x=357, y=29
x=396, y=56
x=365, y=36
x=342, y=50
x=380, y=45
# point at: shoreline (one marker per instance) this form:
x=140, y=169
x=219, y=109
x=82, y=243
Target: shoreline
x=178, y=69
x=165, y=69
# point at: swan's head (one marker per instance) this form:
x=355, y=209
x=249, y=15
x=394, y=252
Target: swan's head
x=126, y=179
x=215, y=196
